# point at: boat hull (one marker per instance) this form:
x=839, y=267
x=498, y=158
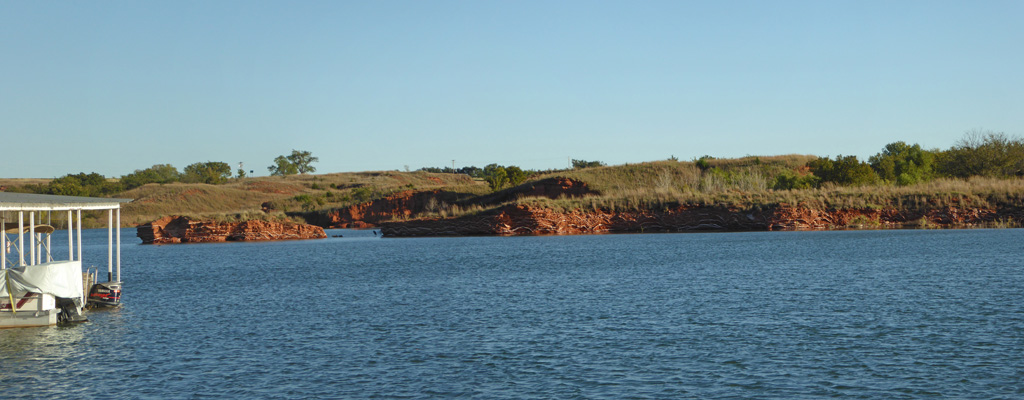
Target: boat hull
x=33, y=309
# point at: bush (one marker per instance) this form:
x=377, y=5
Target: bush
x=160, y=173
x=496, y=176
x=362, y=194
x=983, y=154
x=843, y=171
x=211, y=172
x=703, y=163
x=580, y=164
x=903, y=164
x=81, y=184
x=789, y=180
x=516, y=175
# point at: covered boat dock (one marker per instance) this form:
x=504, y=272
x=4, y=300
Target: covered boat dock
x=34, y=286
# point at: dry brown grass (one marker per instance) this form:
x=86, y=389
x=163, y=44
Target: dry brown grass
x=242, y=198
x=744, y=182
x=23, y=181
x=975, y=192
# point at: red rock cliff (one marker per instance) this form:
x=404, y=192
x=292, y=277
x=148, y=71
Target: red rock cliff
x=175, y=229
x=407, y=204
x=526, y=220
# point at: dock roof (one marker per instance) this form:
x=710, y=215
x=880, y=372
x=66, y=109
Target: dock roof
x=47, y=202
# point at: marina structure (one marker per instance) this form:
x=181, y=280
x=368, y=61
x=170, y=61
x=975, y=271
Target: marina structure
x=38, y=285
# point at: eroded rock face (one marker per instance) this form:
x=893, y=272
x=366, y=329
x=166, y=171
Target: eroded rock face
x=409, y=203
x=526, y=220
x=176, y=229
x=366, y=215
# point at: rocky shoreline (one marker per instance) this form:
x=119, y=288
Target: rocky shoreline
x=178, y=229
x=521, y=220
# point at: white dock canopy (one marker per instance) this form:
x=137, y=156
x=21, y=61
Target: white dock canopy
x=18, y=215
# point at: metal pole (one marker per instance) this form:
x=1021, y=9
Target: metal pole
x=21, y=238
x=71, y=247
x=79, y=236
x=49, y=251
x=32, y=238
x=118, y=243
x=3, y=240
x=110, y=245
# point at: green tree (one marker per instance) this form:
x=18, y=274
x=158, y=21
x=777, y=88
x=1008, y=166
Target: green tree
x=211, y=172
x=241, y=173
x=496, y=176
x=903, y=164
x=471, y=171
x=82, y=184
x=159, y=173
x=703, y=163
x=515, y=174
x=66, y=188
x=302, y=161
x=791, y=180
x=282, y=167
x=843, y=170
x=362, y=194
x=580, y=164
x=983, y=153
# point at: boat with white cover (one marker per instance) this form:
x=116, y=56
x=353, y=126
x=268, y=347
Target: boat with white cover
x=35, y=288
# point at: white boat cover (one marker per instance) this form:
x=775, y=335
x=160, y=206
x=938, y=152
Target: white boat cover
x=58, y=278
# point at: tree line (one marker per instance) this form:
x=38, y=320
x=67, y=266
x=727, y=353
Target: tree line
x=988, y=154
x=500, y=176
x=209, y=172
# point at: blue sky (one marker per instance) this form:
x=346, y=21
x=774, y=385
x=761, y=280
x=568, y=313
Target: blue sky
x=114, y=86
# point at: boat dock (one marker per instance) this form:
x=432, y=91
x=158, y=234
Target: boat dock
x=38, y=286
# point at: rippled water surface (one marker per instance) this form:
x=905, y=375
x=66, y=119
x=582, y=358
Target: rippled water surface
x=864, y=314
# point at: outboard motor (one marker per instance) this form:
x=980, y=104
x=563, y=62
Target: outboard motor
x=70, y=312
x=106, y=294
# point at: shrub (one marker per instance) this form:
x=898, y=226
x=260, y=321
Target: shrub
x=843, y=171
x=703, y=163
x=160, y=173
x=789, y=180
x=211, y=172
x=496, y=176
x=983, y=154
x=903, y=164
x=362, y=194
x=580, y=164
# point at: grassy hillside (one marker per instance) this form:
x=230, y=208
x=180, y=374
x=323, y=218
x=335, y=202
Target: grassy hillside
x=244, y=198
x=742, y=182
x=749, y=181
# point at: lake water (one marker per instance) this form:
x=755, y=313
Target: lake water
x=858, y=314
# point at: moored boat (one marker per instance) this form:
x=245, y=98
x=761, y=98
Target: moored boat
x=35, y=288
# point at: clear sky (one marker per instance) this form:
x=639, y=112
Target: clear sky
x=114, y=86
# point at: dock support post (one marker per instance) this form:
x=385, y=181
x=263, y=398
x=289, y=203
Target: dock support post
x=3, y=240
x=21, y=238
x=118, y=243
x=78, y=226
x=32, y=238
x=71, y=247
x=49, y=250
x=110, y=245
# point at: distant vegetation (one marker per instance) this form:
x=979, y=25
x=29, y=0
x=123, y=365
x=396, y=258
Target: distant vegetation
x=210, y=172
x=982, y=169
x=299, y=162
x=499, y=176
x=580, y=164
x=496, y=176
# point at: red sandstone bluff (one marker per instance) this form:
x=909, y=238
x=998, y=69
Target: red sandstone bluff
x=520, y=219
x=176, y=229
